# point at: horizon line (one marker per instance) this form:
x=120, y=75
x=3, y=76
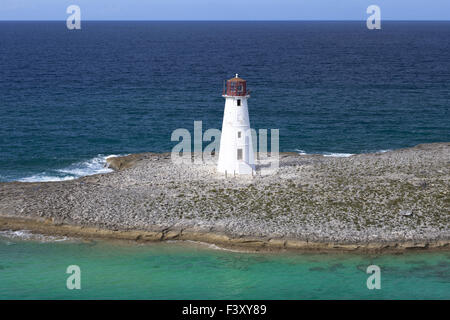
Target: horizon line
x=218, y=20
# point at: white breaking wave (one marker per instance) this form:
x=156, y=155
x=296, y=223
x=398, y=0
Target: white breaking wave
x=80, y=169
x=42, y=178
x=301, y=152
x=337, y=154
x=206, y=244
x=327, y=154
x=29, y=236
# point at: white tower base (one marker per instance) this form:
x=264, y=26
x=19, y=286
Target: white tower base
x=236, y=154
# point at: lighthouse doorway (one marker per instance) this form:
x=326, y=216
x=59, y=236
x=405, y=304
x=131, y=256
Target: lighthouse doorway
x=239, y=154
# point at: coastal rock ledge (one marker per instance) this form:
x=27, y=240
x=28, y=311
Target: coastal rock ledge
x=381, y=201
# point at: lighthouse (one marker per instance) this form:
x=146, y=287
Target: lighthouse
x=236, y=150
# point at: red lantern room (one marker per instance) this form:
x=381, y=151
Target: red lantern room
x=235, y=87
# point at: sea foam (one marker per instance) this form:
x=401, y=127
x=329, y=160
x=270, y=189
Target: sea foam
x=29, y=236
x=327, y=154
x=76, y=170
x=337, y=154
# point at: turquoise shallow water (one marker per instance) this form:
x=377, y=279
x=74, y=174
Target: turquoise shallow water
x=110, y=270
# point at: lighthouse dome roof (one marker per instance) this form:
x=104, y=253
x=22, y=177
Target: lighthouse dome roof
x=237, y=79
x=235, y=87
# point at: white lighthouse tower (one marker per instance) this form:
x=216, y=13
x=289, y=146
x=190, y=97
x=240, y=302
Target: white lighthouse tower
x=236, y=150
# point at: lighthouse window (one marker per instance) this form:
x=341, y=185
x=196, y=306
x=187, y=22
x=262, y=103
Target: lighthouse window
x=239, y=102
x=239, y=154
x=239, y=134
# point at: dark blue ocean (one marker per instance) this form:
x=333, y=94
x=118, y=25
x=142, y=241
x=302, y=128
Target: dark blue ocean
x=70, y=98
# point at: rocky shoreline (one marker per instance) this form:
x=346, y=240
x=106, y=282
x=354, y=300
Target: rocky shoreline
x=394, y=200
